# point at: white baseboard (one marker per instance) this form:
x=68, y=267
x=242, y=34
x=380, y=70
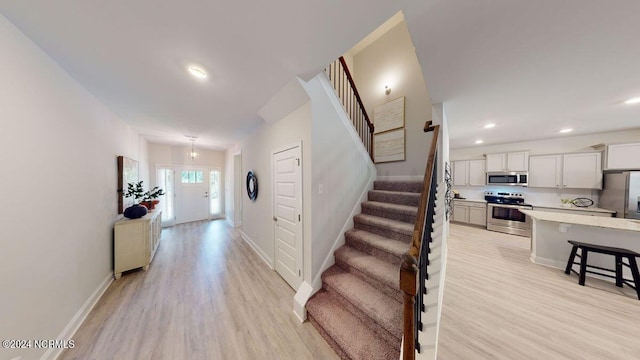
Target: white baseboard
x=266, y=258
x=548, y=262
x=77, y=320
x=401, y=178
x=300, y=301
x=230, y=221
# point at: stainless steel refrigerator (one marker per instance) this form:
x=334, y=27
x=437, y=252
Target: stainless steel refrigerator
x=621, y=193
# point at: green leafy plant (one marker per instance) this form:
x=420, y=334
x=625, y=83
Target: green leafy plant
x=152, y=194
x=135, y=190
x=565, y=201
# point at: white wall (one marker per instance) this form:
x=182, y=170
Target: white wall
x=392, y=60
x=58, y=149
x=341, y=166
x=257, y=216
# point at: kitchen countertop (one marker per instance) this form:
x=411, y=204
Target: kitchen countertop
x=574, y=208
x=586, y=220
x=471, y=200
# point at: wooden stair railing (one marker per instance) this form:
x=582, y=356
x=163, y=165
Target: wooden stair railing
x=342, y=81
x=413, y=269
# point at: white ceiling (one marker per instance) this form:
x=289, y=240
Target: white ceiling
x=530, y=67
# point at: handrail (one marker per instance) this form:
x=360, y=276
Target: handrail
x=345, y=87
x=355, y=90
x=416, y=258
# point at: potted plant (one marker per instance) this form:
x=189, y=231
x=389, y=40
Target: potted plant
x=150, y=198
x=136, y=191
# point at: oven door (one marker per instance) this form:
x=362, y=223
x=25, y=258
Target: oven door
x=508, y=219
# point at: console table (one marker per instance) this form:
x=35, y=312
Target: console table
x=135, y=242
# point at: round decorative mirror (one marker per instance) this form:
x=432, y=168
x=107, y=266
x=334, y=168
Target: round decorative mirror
x=252, y=185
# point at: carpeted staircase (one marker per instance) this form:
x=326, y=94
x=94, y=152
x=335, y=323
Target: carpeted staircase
x=359, y=308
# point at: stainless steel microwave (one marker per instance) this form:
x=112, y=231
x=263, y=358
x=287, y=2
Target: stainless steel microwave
x=513, y=178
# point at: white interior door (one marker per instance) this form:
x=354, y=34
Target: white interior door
x=192, y=194
x=288, y=215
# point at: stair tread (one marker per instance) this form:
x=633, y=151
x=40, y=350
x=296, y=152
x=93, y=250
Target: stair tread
x=350, y=333
x=383, y=309
x=392, y=207
x=395, y=225
x=370, y=265
x=392, y=246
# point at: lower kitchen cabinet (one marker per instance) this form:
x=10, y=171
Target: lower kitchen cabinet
x=470, y=212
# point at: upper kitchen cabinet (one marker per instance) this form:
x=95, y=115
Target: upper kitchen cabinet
x=582, y=171
x=513, y=161
x=567, y=171
x=469, y=173
x=545, y=171
x=623, y=157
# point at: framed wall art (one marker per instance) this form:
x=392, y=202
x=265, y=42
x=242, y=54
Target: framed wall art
x=389, y=146
x=127, y=173
x=389, y=116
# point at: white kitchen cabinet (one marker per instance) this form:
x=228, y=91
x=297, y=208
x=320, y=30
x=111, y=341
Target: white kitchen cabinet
x=135, y=242
x=460, y=173
x=496, y=162
x=545, y=171
x=470, y=212
x=623, y=157
x=460, y=213
x=477, y=173
x=469, y=173
x=582, y=171
x=512, y=161
x=478, y=215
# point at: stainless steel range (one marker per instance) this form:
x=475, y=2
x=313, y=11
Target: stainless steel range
x=503, y=213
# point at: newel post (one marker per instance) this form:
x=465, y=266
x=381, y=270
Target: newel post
x=408, y=275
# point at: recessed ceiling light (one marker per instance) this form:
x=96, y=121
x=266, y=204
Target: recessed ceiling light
x=633, y=101
x=564, y=131
x=489, y=126
x=479, y=141
x=197, y=71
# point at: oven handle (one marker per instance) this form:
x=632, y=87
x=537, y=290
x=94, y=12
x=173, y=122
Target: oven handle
x=512, y=206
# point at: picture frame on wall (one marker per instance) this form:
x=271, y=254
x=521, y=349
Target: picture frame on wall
x=127, y=173
x=389, y=116
x=389, y=146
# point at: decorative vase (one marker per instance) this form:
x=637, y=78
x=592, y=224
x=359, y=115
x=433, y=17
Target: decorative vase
x=151, y=204
x=135, y=211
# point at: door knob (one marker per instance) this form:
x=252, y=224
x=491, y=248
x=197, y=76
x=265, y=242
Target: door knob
x=275, y=218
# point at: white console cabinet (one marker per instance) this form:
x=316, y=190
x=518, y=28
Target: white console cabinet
x=135, y=242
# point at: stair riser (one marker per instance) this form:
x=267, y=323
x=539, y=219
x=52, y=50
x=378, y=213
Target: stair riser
x=399, y=198
x=389, y=289
x=373, y=251
x=412, y=186
x=327, y=337
x=382, y=231
x=393, y=338
x=390, y=214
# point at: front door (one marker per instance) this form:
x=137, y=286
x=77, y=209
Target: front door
x=192, y=195
x=288, y=215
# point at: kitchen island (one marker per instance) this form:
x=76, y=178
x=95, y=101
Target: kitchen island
x=552, y=230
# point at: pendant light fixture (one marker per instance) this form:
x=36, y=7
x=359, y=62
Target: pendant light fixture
x=192, y=153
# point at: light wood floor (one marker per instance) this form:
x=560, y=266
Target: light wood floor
x=499, y=305
x=207, y=295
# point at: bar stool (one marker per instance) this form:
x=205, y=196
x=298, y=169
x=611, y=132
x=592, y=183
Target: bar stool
x=619, y=255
